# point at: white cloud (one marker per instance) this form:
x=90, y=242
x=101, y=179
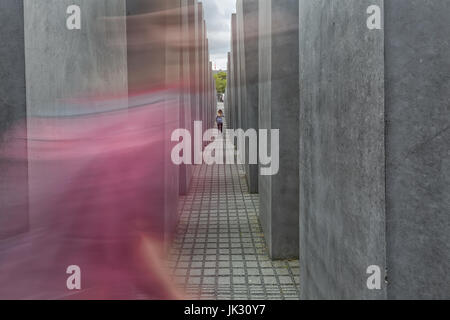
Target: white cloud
x=218, y=23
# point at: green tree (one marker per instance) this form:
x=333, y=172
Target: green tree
x=221, y=81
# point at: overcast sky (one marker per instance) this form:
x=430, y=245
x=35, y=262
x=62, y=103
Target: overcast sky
x=218, y=23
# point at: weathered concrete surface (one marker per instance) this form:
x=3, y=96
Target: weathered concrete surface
x=247, y=18
x=205, y=79
x=234, y=72
x=211, y=94
x=228, y=92
x=13, y=170
x=208, y=85
x=172, y=119
x=341, y=150
x=278, y=109
x=417, y=69
x=240, y=75
x=374, y=149
x=201, y=64
x=187, y=35
x=194, y=60
x=68, y=74
x=66, y=64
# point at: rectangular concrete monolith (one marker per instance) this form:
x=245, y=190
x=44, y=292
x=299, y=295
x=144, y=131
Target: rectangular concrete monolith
x=228, y=93
x=194, y=63
x=187, y=34
x=374, y=192
x=278, y=109
x=341, y=150
x=13, y=143
x=247, y=20
x=417, y=118
x=234, y=73
x=201, y=64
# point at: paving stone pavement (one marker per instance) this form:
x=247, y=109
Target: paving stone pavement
x=219, y=250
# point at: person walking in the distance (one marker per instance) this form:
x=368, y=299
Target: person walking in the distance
x=219, y=120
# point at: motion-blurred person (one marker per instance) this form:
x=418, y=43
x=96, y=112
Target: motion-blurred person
x=102, y=183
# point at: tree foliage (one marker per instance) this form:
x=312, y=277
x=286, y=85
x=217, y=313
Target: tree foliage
x=221, y=81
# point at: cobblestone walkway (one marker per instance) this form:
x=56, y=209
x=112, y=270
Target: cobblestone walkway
x=219, y=250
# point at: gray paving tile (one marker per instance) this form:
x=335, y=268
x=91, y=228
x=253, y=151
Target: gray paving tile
x=219, y=250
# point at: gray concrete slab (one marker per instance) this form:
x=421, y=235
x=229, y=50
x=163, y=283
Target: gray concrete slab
x=240, y=72
x=417, y=95
x=211, y=111
x=187, y=17
x=278, y=109
x=228, y=93
x=13, y=169
x=247, y=13
x=201, y=65
x=234, y=71
x=373, y=184
x=194, y=62
x=341, y=150
x=172, y=118
x=70, y=74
